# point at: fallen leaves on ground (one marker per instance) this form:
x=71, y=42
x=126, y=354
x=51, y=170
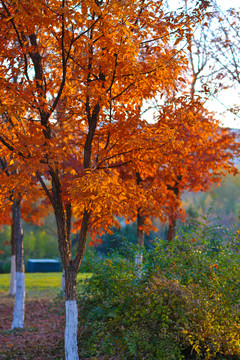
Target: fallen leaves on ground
x=43, y=333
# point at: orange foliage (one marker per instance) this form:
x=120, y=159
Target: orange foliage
x=73, y=78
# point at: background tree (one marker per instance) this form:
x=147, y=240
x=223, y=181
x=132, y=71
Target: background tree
x=17, y=286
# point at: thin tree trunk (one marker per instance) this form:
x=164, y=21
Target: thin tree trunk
x=70, y=266
x=71, y=349
x=12, y=286
x=140, y=231
x=140, y=240
x=18, y=312
x=173, y=210
x=63, y=281
x=171, y=228
x=140, y=234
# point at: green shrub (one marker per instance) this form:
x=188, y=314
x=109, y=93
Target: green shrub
x=6, y=267
x=185, y=305
x=90, y=260
x=125, y=315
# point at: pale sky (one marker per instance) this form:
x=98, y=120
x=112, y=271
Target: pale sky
x=230, y=97
x=227, y=98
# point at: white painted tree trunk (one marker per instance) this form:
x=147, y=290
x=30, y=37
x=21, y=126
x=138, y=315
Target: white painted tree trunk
x=139, y=259
x=12, y=287
x=140, y=240
x=18, y=312
x=71, y=349
x=138, y=262
x=63, y=281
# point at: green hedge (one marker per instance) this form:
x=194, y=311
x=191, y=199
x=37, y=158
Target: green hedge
x=185, y=305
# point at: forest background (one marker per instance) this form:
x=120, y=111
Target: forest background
x=41, y=241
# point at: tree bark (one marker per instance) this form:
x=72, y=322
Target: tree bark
x=140, y=240
x=171, y=233
x=173, y=210
x=63, y=281
x=140, y=231
x=70, y=265
x=140, y=234
x=18, y=312
x=71, y=349
x=12, y=286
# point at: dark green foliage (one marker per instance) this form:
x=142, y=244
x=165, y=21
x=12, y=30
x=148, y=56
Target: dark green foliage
x=5, y=266
x=127, y=233
x=90, y=260
x=185, y=305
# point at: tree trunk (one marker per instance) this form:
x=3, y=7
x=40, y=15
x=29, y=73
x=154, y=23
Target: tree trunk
x=171, y=228
x=63, y=281
x=12, y=287
x=70, y=272
x=140, y=243
x=140, y=234
x=140, y=239
x=18, y=312
x=71, y=327
x=71, y=349
x=173, y=210
x=70, y=266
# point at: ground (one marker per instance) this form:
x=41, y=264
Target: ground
x=43, y=333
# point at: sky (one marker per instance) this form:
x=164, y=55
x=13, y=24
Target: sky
x=227, y=98
x=230, y=97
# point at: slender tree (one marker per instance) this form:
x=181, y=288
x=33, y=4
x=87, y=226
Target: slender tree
x=18, y=313
x=12, y=286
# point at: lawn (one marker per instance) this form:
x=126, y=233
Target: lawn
x=38, y=285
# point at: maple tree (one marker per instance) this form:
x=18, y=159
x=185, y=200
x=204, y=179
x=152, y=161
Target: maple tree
x=17, y=286
x=83, y=70
x=205, y=154
x=209, y=156
x=209, y=149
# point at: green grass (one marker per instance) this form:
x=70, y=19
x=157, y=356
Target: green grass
x=38, y=285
